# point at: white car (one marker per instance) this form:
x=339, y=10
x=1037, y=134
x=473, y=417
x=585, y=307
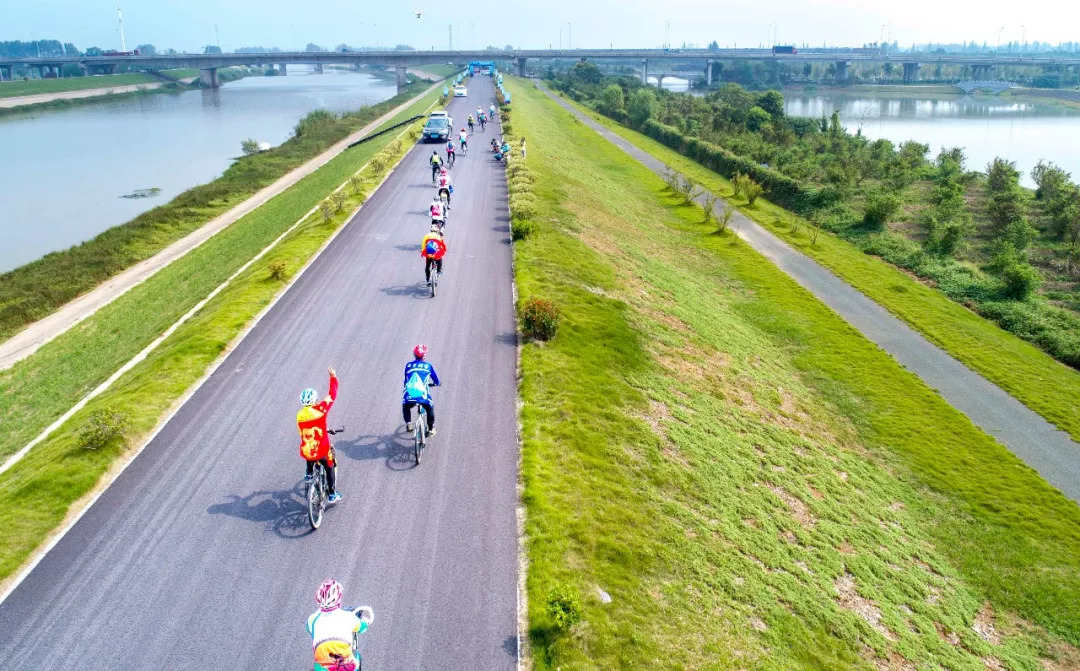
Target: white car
x=460, y=91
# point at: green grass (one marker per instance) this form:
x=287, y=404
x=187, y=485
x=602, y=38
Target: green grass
x=1027, y=373
x=441, y=69
x=37, y=289
x=36, y=494
x=739, y=469
x=37, y=390
x=37, y=86
x=181, y=73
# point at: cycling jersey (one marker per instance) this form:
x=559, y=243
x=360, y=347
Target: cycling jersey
x=435, y=159
x=463, y=138
x=450, y=146
x=444, y=181
x=332, y=636
x=437, y=211
x=418, y=375
x=433, y=246
x=311, y=421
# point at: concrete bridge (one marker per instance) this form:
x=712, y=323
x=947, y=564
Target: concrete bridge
x=401, y=60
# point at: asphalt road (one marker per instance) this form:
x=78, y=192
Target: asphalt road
x=199, y=556
x=1037, y=442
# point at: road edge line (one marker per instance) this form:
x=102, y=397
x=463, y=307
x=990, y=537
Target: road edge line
x=118, y=469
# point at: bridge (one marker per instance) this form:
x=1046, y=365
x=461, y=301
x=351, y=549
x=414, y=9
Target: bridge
x=208, y=64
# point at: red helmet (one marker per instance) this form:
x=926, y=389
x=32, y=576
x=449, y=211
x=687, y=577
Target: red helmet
x=420, y=351
x=443, y=171
x=329, y=595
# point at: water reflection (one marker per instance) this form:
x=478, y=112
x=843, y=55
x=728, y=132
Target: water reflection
x=985, y=127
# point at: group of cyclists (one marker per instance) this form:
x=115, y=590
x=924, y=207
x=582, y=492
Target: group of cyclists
x=332, y=628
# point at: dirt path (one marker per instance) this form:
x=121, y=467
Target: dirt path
x=38, y=98
x=26, y=342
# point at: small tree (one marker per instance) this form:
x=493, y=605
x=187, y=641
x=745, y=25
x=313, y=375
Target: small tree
x=356, y=184
x=723, y=220
x=539, y=318
x=814, y=228
x=250, y=147
x=337, y=200
x=688, y=189
x=1021, y=280
x=277, y=269
x=612, y=101
x=710, y=206
x=378, y=163
x=326, y=209
x=752, y=190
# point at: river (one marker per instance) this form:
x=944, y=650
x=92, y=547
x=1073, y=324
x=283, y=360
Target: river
x=985, y=127
x=63, y=171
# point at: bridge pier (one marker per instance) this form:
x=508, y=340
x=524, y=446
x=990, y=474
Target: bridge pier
x=6, y=72
x=521, y=67
x=282, y=70
x=402, y=78
x=209, y=78
x=911, y=72
x=708, y=73
x=318, y=68
x=841, y=71
x=979, y=72
x=645, y=71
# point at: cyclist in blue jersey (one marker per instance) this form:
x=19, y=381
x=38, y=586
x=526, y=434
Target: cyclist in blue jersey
x=419, y=376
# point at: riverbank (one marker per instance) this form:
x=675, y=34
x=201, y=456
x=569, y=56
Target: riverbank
x=29, y=87
x=1064, y=97
x=38, y=289
x=67, y=98
x=762, y=463
x=892, y=90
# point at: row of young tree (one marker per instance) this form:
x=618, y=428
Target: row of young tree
x=980, y=237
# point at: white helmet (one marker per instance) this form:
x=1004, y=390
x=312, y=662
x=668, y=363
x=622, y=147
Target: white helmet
x=309, y=396
x=434, y=227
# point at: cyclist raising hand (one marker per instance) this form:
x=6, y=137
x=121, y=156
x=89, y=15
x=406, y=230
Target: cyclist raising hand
x=314, y=439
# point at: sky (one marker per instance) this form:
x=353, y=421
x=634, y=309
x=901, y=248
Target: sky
x=188, y=25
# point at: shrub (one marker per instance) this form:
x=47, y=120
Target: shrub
x=688, y=189
x=337, y=200
x=104, y=428
x=752, y=190
x=356, y=184
x=563, y=607
x=539, y=318
x=724, y=218
x=522, y=229
x=523, y=206
x=250, y=147
x=710, y=206
x=1021, y=280
x=326, y=209
x=277, y=269
x=314, y=120
x=880, y=207
x=378, y=163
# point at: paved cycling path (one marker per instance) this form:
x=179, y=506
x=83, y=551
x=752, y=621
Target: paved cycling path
x=199, y=555
x=26, y=342
x=1037, y=442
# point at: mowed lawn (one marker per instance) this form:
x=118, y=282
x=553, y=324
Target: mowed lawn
x=753, y=484
x=36, y=86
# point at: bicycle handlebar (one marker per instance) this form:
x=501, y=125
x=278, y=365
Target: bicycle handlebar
x=334, y=432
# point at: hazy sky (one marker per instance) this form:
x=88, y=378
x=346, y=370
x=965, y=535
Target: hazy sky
x=189, y=24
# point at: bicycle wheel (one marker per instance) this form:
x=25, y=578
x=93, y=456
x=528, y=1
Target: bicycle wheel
x=434, y=282
x=315, y=497
x=418, y=436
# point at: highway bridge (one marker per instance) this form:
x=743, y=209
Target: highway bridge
x=208, y=64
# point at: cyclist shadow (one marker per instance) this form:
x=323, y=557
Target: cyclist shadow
x=408, y=248
x=394, y=448
x=418, y=290
x=284, y=512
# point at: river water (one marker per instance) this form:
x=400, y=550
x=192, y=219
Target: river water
x=985, y=127
x=63, y=171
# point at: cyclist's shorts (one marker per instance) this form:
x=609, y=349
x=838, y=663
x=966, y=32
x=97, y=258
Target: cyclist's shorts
x=335, y=656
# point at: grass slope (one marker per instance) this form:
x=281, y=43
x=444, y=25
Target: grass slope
x=37, y=289
x=37, y=493
x=38, y=86
x=753, y=483
x=37, y=390
x=1026, y=372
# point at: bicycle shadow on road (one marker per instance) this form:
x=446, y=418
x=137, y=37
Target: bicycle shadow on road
x=284, y=512
x=394, y=448
x=418, y=290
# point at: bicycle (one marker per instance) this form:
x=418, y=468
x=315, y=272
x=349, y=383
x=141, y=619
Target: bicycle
x=434, y=274
x=483, y=125
x=451, y=156
x=316, y=490
x=420, y=428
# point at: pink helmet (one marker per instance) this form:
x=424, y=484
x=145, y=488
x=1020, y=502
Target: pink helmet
x=420, y=351
x=329, y=595
x=443, y=171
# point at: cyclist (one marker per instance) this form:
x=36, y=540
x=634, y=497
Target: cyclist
x=436, y=163
x=479, y=111
x=491, y=111
x=438, y=213
x=445, y=186
x=471, y=121
x=332, y=629
x=483, y=121
x=419, y=375
x=314, y=440
x=463, y=139
x=433, y=249
x=450, y=153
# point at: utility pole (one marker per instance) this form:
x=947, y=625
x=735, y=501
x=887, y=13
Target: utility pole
x=569, y=35
x=451, y=28
x=120, y=17
x=217, y=38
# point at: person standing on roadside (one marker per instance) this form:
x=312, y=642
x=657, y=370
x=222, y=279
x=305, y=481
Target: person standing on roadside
x=523, y=149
